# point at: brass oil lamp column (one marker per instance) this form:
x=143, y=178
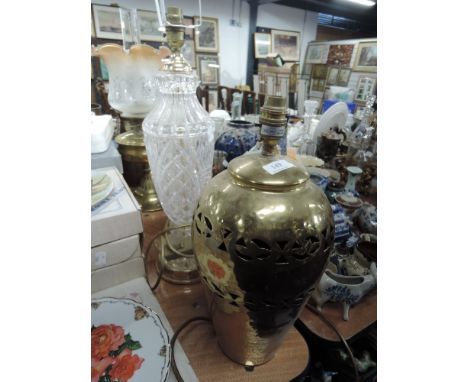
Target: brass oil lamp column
x=262, y=234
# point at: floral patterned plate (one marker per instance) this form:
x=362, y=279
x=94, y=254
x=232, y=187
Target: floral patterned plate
x=128, y=342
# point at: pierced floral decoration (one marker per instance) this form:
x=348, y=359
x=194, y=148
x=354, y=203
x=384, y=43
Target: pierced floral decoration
x=111, y=354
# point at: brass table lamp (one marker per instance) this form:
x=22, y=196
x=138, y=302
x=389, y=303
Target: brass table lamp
x=262, y=234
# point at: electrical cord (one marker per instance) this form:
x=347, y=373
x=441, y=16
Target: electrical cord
x=202, y=318
x=342, y=339
x=164, y=231
x=186, y=323
x=173, y=340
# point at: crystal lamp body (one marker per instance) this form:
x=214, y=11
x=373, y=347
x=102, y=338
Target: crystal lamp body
x=179, y=139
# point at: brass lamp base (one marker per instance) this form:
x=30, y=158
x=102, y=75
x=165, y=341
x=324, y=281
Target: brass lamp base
x=136, y=169
x=176, y=261
x=146, y=194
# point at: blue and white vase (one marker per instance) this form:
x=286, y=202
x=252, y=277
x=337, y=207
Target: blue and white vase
x=238, y=138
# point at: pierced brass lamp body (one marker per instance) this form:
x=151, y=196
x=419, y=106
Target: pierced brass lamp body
x=262, y=234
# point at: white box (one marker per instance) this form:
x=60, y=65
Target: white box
x=109, y=158
x=117, y=274
x=116, y=252
x=118, y=216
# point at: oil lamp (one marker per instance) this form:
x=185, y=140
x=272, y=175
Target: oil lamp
x=133, y=92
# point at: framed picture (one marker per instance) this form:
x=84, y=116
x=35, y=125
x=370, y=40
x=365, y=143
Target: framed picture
x=319, y=71
x=188, y=32
x=206, y=37
x=316, y=54
x=188, y=51
x=212, y=99
x=366, y=57
x=208, y=69
x=149, y=26
x=340, y=54
x=343, y=76
x=365, y=87
x=262, y=45
x=286, y=44
x=332, y=77
x=107, y=22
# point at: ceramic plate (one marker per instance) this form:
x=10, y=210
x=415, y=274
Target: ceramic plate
x=101, y=188
x=128, y=342
x=336, y=115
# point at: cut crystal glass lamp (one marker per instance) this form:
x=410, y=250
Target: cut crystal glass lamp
x=179, y=139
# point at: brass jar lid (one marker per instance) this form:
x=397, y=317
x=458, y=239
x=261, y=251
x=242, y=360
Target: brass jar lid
x=131, y=138
x=259, y=171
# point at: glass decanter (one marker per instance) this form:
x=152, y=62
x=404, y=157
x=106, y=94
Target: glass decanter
x=179, y=139
x=360, y=139
x=307, y=145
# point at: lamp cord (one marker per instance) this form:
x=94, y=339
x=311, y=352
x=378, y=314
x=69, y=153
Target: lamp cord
x=153, y=289
x=342, y=339
x=174, y=338
x=164, y=231
x=207, y=319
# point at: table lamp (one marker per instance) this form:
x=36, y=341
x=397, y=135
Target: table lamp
x=179, y=139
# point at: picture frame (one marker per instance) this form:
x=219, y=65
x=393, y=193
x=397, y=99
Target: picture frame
x=262, y=44
x=365, y=87
x=149, y=25
x=343, y=76
x=207, y=38
x=208, y=74
x=316, y=54
x=366, y=57
x=107, y=22
x=188, y=51
x=332, y=75
x=320, y=71
x=286, y=43
x=340, y=54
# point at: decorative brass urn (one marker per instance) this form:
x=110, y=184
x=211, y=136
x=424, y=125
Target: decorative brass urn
x=262, y=233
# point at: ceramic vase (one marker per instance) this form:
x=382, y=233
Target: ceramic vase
x=238, y=138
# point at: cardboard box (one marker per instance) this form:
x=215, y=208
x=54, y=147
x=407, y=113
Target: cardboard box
x=116, y=252
x=117, y=274
x=118, y=216
x=109, y=158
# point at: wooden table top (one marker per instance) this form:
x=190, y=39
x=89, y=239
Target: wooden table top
x=361, y=316
x=181, y=302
